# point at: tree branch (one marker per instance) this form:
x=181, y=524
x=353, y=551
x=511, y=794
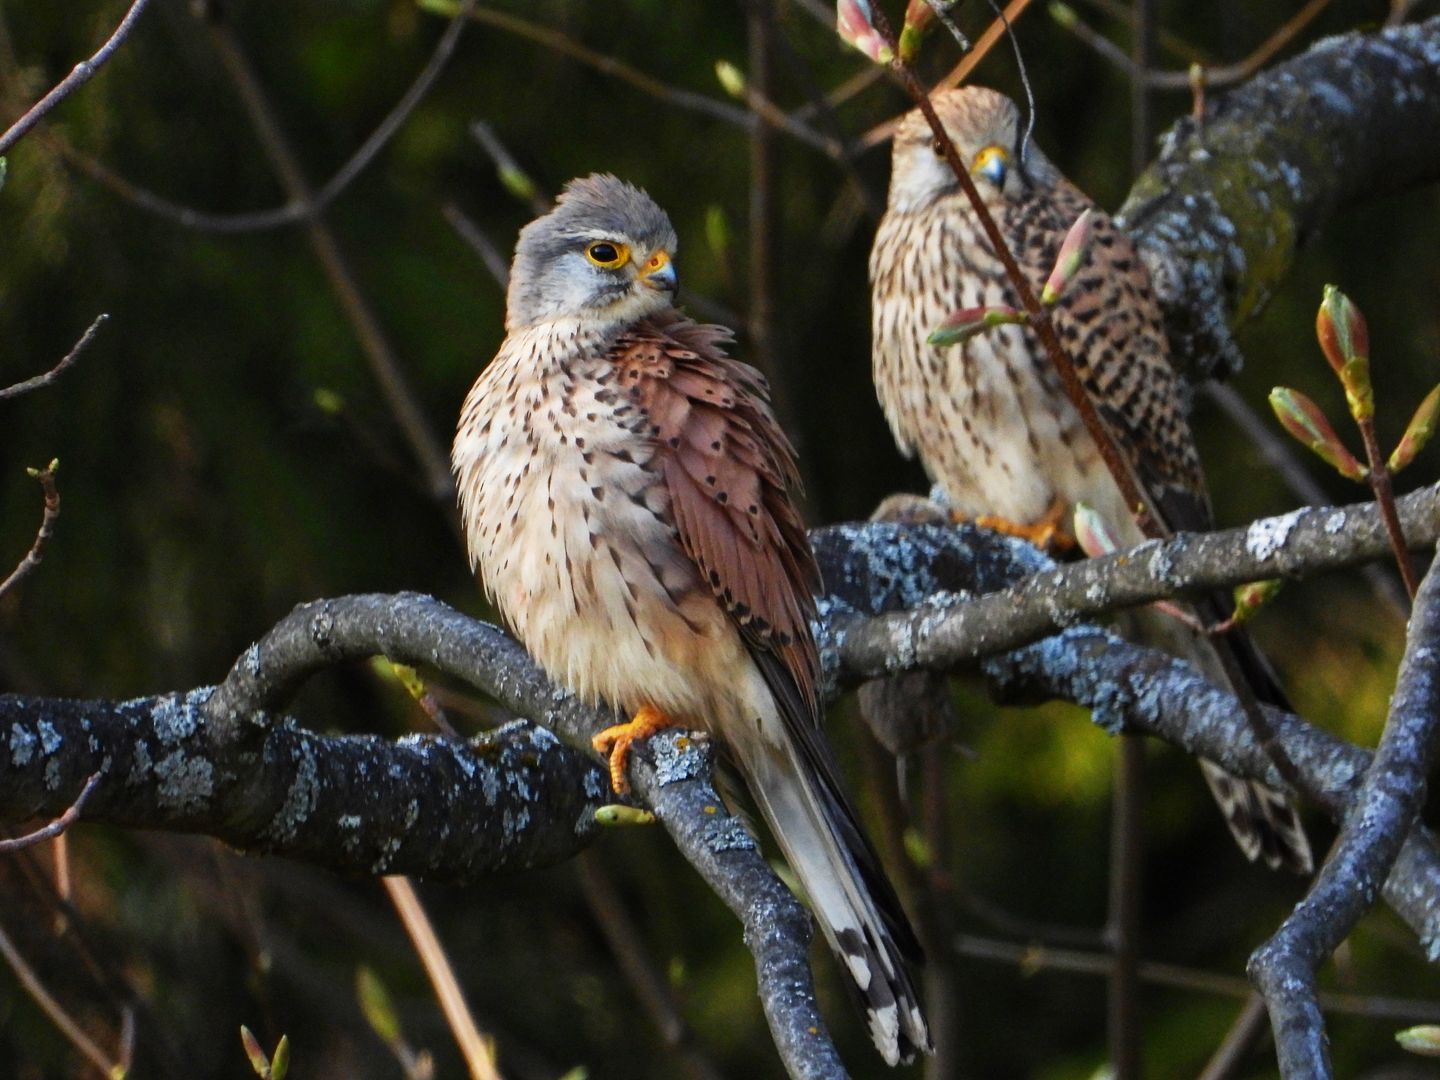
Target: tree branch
x=224, y=761
x=1024, y=596
x=1379, y=820
x=353, y=804
x=1220, y=213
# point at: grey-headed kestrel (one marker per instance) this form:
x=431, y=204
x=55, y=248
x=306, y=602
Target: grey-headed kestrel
x=989, y=419
x=623, y=485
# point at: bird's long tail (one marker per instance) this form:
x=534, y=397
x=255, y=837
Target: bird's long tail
x=852, y=900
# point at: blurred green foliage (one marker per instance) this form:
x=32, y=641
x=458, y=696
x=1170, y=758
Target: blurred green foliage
x=228, y=455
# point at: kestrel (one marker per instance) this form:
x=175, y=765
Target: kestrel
x=989, y=419
x=623, y=485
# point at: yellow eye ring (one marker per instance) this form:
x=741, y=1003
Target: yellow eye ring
x=607, y=254
x=991, y=163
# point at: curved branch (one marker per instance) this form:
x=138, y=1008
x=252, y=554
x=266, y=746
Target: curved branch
x=1220, y=213
x=1378, y=822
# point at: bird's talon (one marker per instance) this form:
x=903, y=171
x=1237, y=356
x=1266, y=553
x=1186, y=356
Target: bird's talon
x=615, y=742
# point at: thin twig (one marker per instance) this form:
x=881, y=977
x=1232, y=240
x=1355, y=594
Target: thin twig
x=297, y=209
x=479, y=243
x=72, y=1031
x=475, y=1048
x=628, y=946
x=1217, y=77
x=1033, y=957
x=507, y=167
x=56, y=827
x=1379, y=477
x=384, y=364
x=82, y=73
x=1239, y=1041
x=1122, y=924
x=59, y=369
x=32, y=558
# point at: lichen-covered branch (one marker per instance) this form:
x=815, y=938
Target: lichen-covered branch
x=1222, y=210
x=509, y=799
x=981, y=594
x=1381, y=818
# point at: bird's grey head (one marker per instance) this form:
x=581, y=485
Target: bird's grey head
x=603, y=252
x=986, y=128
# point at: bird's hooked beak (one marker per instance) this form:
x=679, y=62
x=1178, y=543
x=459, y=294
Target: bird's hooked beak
x=992, y=163
x=659, y=273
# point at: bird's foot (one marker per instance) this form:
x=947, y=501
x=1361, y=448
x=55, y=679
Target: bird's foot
x=614, y=742
x=1048, y=533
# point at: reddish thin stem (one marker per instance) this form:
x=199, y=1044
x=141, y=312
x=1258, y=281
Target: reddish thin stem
x=1385, y=500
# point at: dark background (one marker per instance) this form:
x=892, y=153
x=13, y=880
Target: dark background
x=226, y=454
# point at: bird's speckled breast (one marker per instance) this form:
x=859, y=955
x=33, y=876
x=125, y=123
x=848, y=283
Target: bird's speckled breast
x=569, y=526
x=991, y=425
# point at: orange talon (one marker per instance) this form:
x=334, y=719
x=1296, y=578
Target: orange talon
x=1046, y=534
x=614, y=742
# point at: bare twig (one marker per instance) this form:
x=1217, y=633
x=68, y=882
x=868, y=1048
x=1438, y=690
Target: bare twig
x=627, y=945
x=82, y=73
x=1122, y=924
x=1379, y=477
x=475, y=1048
x=298, y=209
x=426, y=447
x=56, y=827
x=1035, y=957
x=72, y=1031
x=479, y=243
x=59, y=369
x=1371, y=836
x=1239, y=1041
x=27, y=565
x=1221, y=76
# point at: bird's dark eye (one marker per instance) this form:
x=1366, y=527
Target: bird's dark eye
x=607, y=255
x=938, y=147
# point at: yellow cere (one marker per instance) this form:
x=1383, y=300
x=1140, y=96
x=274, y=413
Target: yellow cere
x=608, y=255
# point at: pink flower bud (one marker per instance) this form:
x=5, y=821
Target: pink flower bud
x=1345, y=341
x=964, y=324
x=1068, y=262
x=1417, y=432
x=1303, y=419
x=1093, y=533
x=1251, y=597
x=853, y=24
x=919, y=17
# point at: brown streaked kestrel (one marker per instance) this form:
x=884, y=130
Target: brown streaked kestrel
x=989, y=418
x=623, y=485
